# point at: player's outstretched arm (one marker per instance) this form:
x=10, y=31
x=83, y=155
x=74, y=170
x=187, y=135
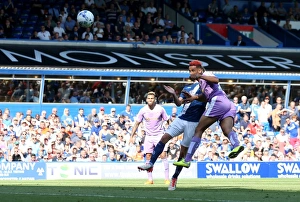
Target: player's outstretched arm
x=178, y=100
x=190, y=98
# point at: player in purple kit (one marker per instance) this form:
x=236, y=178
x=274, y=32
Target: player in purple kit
x=153, y=116
x=220, y=109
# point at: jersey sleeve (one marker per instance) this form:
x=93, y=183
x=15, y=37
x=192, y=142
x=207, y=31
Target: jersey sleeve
x=164, y=114
x=140, y=115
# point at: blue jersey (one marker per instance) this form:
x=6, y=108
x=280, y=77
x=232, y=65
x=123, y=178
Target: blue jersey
x=192, y=111
x=292, y=129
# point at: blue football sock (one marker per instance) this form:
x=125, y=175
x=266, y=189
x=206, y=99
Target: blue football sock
x=177, y=171
x=159, y=148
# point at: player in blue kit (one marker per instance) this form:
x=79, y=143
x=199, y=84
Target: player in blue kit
x=185, y=123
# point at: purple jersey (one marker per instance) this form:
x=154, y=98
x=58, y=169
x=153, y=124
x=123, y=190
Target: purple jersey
x=210, y=89
x=153, y=119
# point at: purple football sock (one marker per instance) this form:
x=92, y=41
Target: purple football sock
x=233, y=139
x=192, y=149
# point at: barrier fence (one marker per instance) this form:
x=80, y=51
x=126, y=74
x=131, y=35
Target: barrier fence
x=98, y=170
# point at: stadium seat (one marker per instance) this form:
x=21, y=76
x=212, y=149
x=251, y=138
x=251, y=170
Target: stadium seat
x=34, y=17
x=202, y=15
x=25, y=11
x=26, y=35
x=24, y=16
x=218, y=20
x=23, y=21
x=210, y=20
x=18, y=28
x=19, y=5
x=31, y=22
x=17, y=35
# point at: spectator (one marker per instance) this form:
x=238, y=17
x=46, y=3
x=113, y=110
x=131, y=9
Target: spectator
x=213, y=9
x=245, y=16
x=109, y=34
x=43, y=34
x=272, y=10
x=254, y=20
x=281, y=11
x=287, y=25
x=87, y=35
x=8, y=29
x=239, y=42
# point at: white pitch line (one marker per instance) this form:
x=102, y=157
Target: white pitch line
x=129, y=197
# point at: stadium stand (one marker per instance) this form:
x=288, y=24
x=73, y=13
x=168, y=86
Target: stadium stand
x=102, y=134
x=28, y=16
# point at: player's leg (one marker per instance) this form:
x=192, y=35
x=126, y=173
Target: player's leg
x=188, y=134
x=176, y=128
x=203, y=124
x=165, y=161
x=173, y=183
x=158, y=150
x=226, y=123
x=226, y=126
x=148, y=149
x=150, y=178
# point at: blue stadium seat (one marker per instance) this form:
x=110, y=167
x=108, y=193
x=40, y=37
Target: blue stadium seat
x=19, y=5
x=24, y=17
x=18, y=28
x=26, y=11
x=174, y=34
x=34, y=17
x=26, y=35
x=17, y=35
x=23, y=21
x=218, y=20
x=202, y=15
x=31, y=22
x=210, y=20
x=47, y=6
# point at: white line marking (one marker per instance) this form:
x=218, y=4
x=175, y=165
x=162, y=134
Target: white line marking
x=129, y=197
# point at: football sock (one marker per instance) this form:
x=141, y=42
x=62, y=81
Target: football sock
x=233, y=139
x=192, y=148
x=177, y=171
x=150, y=178
x=157, y=151
x=166, y=166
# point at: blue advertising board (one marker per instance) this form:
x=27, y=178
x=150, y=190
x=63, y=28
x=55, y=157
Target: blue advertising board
x=284, y=169
x=248, y=169
x=22, y=171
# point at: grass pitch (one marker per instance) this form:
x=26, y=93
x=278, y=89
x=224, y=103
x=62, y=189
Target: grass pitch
x=212, y=190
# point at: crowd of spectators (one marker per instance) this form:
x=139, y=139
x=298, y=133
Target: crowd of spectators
x=113, y=92
x=126, y=20
x=268, y=132
x=115, y=21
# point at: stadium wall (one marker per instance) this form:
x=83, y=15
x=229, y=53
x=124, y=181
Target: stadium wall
x=98, y=170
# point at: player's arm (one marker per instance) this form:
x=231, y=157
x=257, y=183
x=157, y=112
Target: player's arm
x=190, y=98
x=135, y=127
x=210, y=78
x=178, y=100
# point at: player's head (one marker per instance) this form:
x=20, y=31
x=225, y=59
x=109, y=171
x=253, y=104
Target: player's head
x=195, y=69
x=150, y=98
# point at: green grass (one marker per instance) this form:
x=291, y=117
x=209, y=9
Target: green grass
x=219, y=190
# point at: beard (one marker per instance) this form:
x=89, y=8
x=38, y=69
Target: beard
x=194, y=77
